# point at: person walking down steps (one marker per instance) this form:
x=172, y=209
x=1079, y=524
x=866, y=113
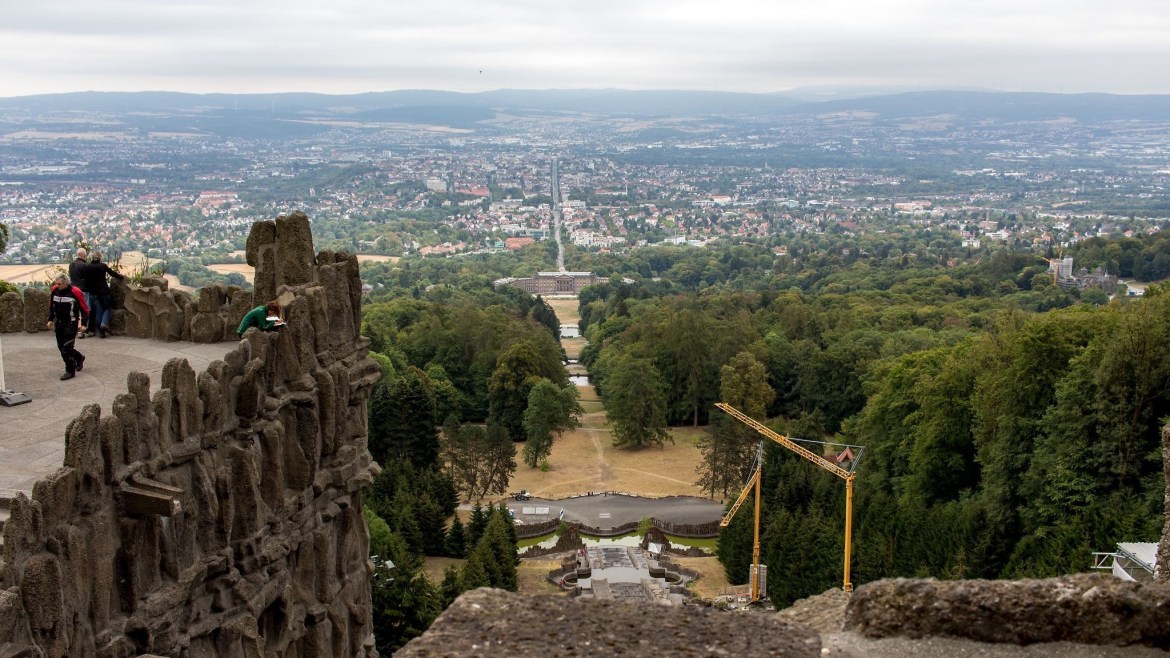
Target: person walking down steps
x=67, y=313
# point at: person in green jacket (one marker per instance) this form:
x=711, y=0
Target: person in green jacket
x=268, y=317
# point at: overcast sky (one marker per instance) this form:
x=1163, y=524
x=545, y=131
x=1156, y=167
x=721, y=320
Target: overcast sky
x=345, y=46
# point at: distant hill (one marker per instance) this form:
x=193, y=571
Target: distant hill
x=241, y=114
x=592, y=101
x=1002, y=106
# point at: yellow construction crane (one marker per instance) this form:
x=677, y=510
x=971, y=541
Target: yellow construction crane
x=753, y=483
x=846, y=474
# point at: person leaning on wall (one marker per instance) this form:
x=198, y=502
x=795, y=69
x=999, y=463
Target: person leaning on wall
x=268, y=317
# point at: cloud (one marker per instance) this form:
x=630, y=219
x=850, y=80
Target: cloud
x=751, y=45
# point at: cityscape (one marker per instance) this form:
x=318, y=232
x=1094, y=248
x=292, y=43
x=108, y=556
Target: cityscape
x=476, y=186
x=378, y=366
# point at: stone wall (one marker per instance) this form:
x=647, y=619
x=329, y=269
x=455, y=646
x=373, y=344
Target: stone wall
x=149, y=309
x=1082, y=608
x=1162, y=568
x=220, y=516
x=486, y=623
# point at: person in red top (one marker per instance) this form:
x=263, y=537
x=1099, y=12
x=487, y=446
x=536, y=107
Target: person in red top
x=67, y=313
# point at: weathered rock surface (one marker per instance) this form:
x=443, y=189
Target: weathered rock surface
x=824, y=612
x=491, y=622
x=1082, y=608
x=220, y=516
x=1162, y=568
x=12, y=312
x=36, y=310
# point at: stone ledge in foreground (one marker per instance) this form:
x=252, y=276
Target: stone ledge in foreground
x=1083, y=608
x=491, y=622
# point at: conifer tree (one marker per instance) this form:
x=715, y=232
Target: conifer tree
x=456, y=541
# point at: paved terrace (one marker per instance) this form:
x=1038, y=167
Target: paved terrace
x=32, y=436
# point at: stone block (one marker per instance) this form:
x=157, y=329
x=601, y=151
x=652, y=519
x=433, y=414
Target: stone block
x=207, y=328
x=263, y=234
x=294, y=243
x=36, y=310
x=1082, y=608
x=12, y=313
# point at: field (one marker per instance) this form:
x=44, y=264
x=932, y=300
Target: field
x=41, y=273
x=531, y=573
x=434, y=566
x=711, y=581
x=249, y=272
x=132, y=260
x=566, y=309
x=234, y=268
x=585, y=460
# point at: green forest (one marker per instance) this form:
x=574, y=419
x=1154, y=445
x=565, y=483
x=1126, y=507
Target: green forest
x=1011, y=426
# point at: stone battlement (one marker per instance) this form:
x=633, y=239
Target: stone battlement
x=220, y=516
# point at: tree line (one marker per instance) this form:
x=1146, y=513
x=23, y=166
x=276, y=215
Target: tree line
x=1011, y=427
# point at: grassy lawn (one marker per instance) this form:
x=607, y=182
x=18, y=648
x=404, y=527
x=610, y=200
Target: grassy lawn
x=434, y=567
x=706, y=543
x=711, y=581
x=566, y=310
x=585, y=460
x=592, y=406
x=573, y=346
x=533, y=577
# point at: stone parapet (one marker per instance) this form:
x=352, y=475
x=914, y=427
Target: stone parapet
x=1162, y=567
x=1082, y=608
x=220, y=516
x=489, y=622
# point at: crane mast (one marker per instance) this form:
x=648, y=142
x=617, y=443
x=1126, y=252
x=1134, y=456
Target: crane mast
x=752, y=484
x=845, y=474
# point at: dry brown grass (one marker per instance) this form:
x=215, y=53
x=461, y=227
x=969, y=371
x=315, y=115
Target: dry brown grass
x=573, y=346
x=711, y=581
x=532, y=574
x=434, y=566
x=533, y=577
x=566, y=310
x=234, y=268
x=588, y=394
x=30, y=273
x=585, y=460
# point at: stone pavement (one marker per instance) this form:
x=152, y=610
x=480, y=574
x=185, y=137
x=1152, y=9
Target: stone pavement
x=32, y=436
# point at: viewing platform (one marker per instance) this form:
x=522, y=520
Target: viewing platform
x=32, y=436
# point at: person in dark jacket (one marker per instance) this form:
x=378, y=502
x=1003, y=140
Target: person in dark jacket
x=98, y=287
x=77, y=276
x=67, y=311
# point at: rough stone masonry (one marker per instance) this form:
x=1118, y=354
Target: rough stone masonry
x=220, y=516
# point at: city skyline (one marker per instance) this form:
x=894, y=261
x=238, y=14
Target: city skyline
x=740, y=45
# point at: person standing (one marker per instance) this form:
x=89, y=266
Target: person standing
x=98, y=286
x=77, y=275
x=67, y=311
